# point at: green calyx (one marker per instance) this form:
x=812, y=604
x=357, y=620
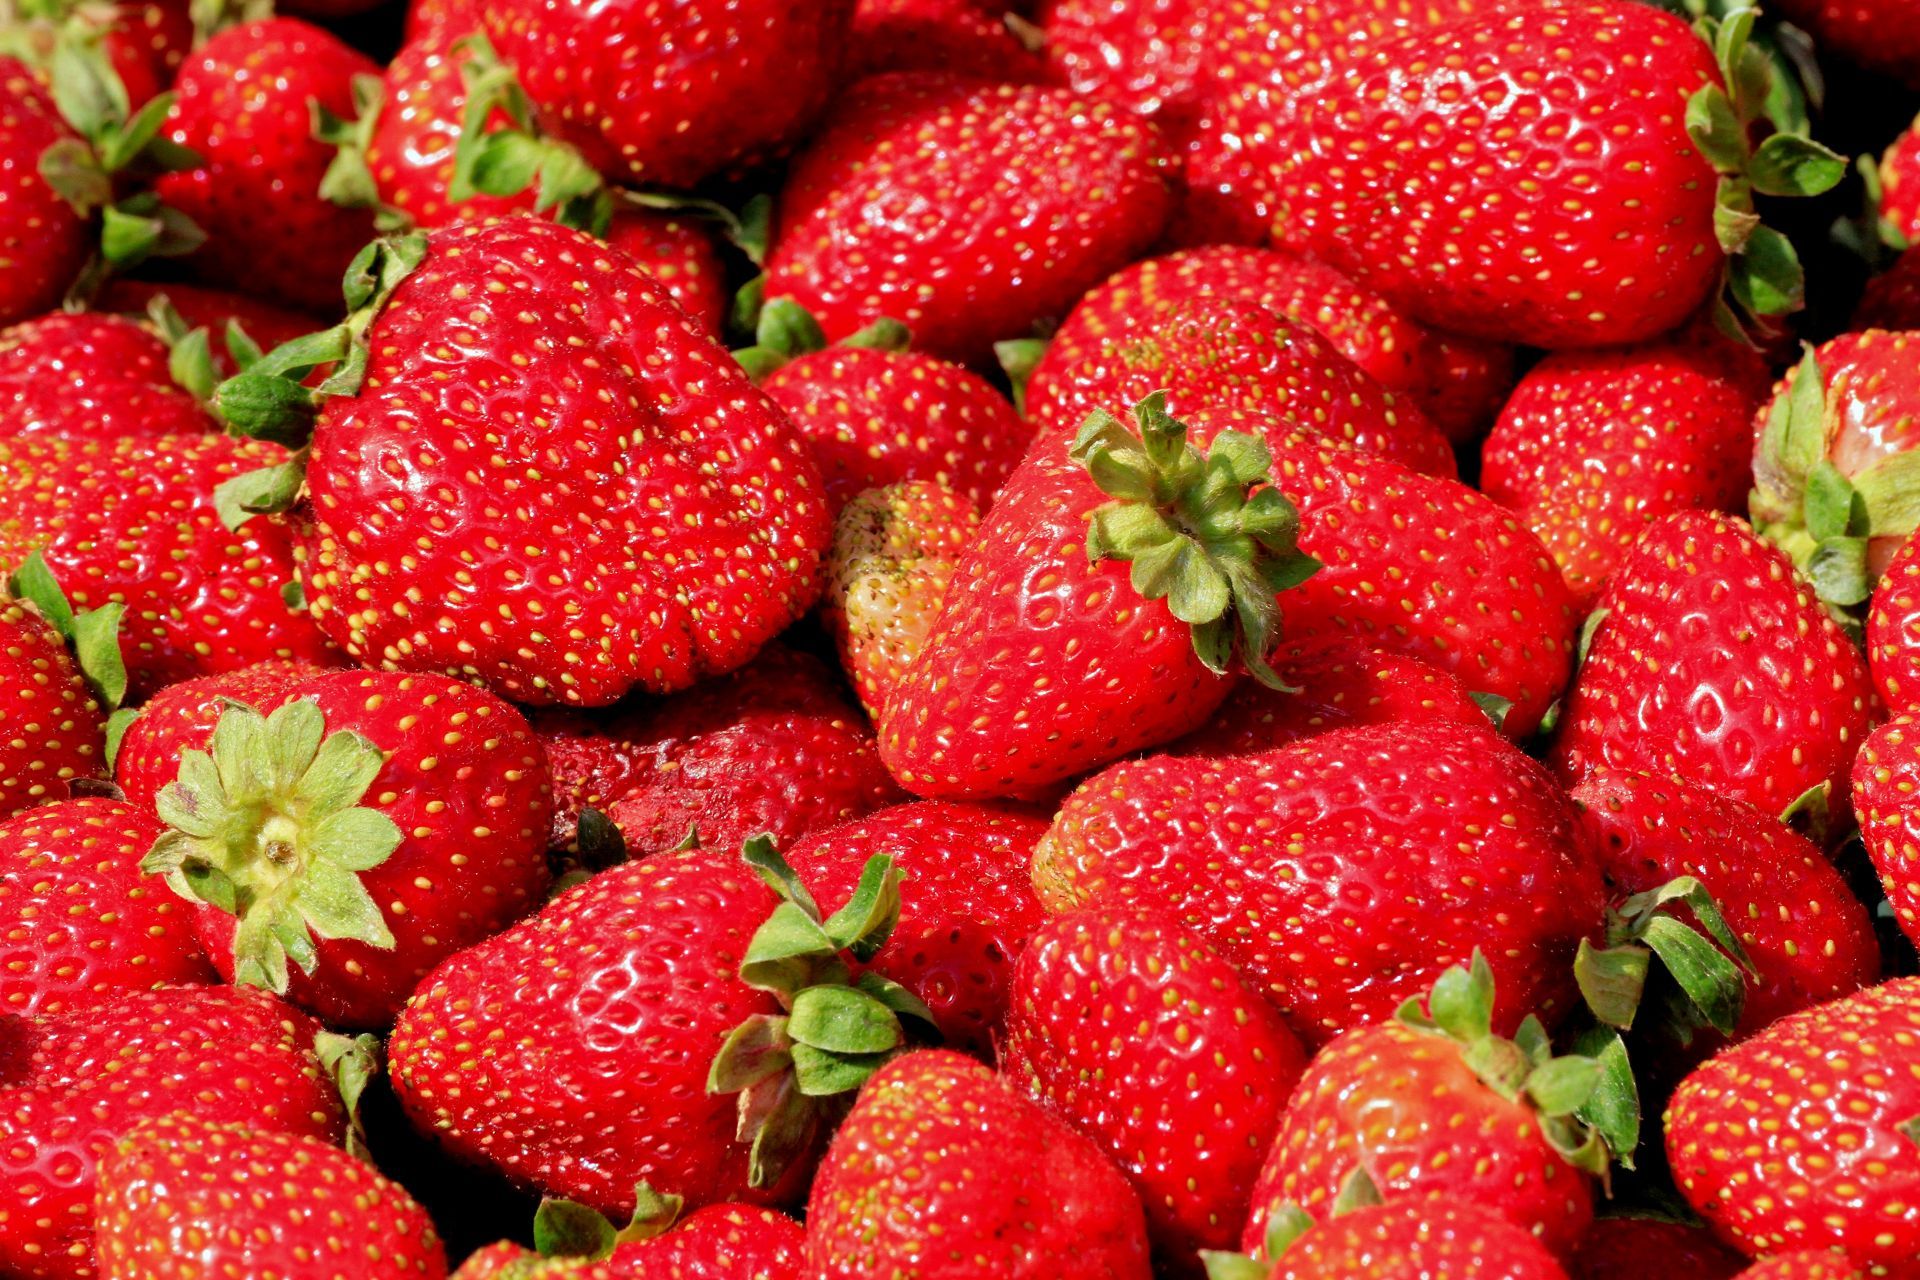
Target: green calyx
x=268, y=827
x=1707, y=988
x=351, y=1062
x=1764, y=279
x=1286, y=1223
x=1207, y=532
x=1018, y=358
x=93, y=635
x=793, y=1068
x=348, y=182
x=190, y=350
x=783, y=330
x=507, y=161
x=566, y=1229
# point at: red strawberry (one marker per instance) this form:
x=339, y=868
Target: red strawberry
x=81, y=1081
x=644, y=517
x=1433, y=1240
x=1893, y=630
x=591, y=762
x=894, y=552
x=142, y=42
x=406, y=817
x=717, y=1242
x=90, y=376
x=964, y=37
x=185, y=714
x=44, y=241
x=1151, y=56
x=1805, y=1265
x=966, y=910
x=892, y=209
x=243, y=106
x=678, y=252
x=1884, y=778
x=1593, y=446
x=265, y=324
x=51, y=729
x=1800, y=1137
x=1714, y=664
x=1394, y=849
x=181, y=1198
x=81, y=924
x=1899, y=175
x=1884, y=36
x=943, y=1169
x=668, y=96
x=1892, y=298
x=1143, y=1038
x=1652, y=1248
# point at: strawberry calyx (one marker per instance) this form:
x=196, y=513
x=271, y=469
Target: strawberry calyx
x=1286, y=1223
x=190, y=349
x=784, y=331
x=1018, y=358
x=1707, y=988
x=351, y=1062
x=793, y=1069
x=348, y=181
x=93, y=635
x=568, y=1229
x=268, y=827
x=509, y=160
x=1208, y=532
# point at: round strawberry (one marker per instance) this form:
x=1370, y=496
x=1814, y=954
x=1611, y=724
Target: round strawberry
x=51, y=729
x=44, y=242
x=91, y=376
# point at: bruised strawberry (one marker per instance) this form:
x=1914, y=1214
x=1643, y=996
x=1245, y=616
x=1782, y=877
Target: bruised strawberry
x=90, y=376
x=52, y=731
x=44, y=241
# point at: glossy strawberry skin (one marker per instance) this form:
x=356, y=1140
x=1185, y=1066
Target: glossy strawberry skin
x=1893, y=630
x=51, y=729
x=79, y=924
x=242, y=106
x=1146, y=1040
x=1435, y=1240
x=1716, y=664
x=965, y=37
x=182, y=717
x=943, y=1170
x=79, y=1082
x=1836, y=1080
x=887, y=213
x=1802, y=1265
x=91, y=377
x=1631, y=1248
x=133, y=520
x=1884, y=777
x=410, y=152
x=679, y=253
x=43, y=242
x=1900, y=184
x=722, y=1241
x=1396, y=848
x=544, y=573
x=967, y=908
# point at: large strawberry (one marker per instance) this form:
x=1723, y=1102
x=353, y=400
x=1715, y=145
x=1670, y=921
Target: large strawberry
x=52, y=729
x=402, y=818
x=1715, y=664
x=91, y=376
x=44, y=240
x=1145, y=1039
x=74, y=1085
x=643, y=516
x=1802, y=1137
x=944, y=1170
x=929, y=199
x=1396, y=849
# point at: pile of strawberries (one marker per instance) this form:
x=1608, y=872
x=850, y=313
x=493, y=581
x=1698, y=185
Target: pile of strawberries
x=830, y=639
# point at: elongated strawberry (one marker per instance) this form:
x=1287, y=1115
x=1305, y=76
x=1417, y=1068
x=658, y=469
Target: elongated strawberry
x=1715, y=664
x=1393, y=847
x=944, y=1169
x=44, y=240
x=52, y=730
x=90, y=376
x=1433, y=1240
x=1841, y=1082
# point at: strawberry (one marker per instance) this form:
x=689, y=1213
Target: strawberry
x=185, y=715
x=967, y=908
x=1396, y=849
x=1802, y=1265
x=81, y=1081
x=591, y=762
x=894, y=552
x=405, y=817
x=1892, y=298
x=1830, y=465
x=964, y=37
x=90, y=376
x=51, y=728
x=717, y=1242
x=669, y=96
x=181, y=1197
x=943, y=1169
x=1884, y=775
x=44, y=240
x=1893, y=631
x=1432, y=1105
x=1799, y=1138
x=1652, y=1248
x=1227, y=355
x=219, y=311
x=703, y=545
x=1145, y=1039
x=1715, y=665
x=1899, y=174
x=1593, y=446
x=243, y=105
x=1884, y=37
x=141, y=42
x=72, y=898
x=1433, y=1240
x=1150, y=56
x=676, y=250
x=890, y=210
x=1046, y=661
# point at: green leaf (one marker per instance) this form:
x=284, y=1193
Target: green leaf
x=883, y=334
x=1715, y=129
x=1766, y=277
x=1613, y=1108
x=333, y=904
x=190, y=364
x=778, y=955
x=342, y=767
x=1285, y=1224
x=1560, y=1086
x=354, y=839
x=1496, y=707
x=267, y=407
x=1612, y=981
x=654, y=1213
x=34, y=582
x=1701, y=970
x=1788, y=165
x=1832, y=506
x=599, y=841
x=1018, y=358
x=1838, y=571
x=786, y=327
x=760, y=853
x=1358, y=1192
x=777, y=1122
x=1889, y=491
x=756, y=1049
x=351, y=1062
x=1221, y=1265
x=869, y=916
x=1910, y=1130
x=818, y=1073
x=263, y=491
x=116, y=730
x=86, y=90
x=96, y=650
x=905, y=1004
x=843, y=1020
x=1461, y=1001
x=566, y=1229
x=504, y=163
x=69, y=167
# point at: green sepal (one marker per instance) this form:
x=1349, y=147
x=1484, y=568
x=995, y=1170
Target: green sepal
x=510, y=160
x=1221, y=1264
x=743, y=315
x=843, y=1020
x=293, y=595
x=140, y=227
x=1358, y=1191
x=1710, y=988
x=351, y=1062
x=1910, y=1130
x=598, y=841
x=190, y=362
x=1285, y=1224
x=884, y=334
x=93, y=635
x=1018, y=358
x=1612, y=980
x=116, y=730
x=569, y=1229
x=1613, y=1108
x=348, y=182
x=1495, y=707
x=265, y=490
x=748, y=229
x=1811, y=814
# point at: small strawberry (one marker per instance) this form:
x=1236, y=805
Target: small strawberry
x=964, y=37
x=181, y=1197
x=81, y=1081
x=1884, y=778
x=717, y=1242
x=943, y=1169
x=1628, y=1247
x=1433, y=1240
x=894, y=552
x=1394, y=850
x=891, y=209
x=81, y=924
x=402, y=818
x=1884, y=37
x=91, y=376
x=1714, y=664
x=1803, y=1265
x=1801, y=1138
x=1145, y=1039
x=52, y=729
x=1893, y=630
x=44, y=240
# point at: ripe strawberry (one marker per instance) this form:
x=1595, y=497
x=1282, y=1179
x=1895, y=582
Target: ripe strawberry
x=1652, y=1248
x=1215, y=354
x=1838, y=1083
x=965, y=37
x=1433, y=1240
x=1899, y=174
x=1893, y=631
x=142, y=42
x=1892, y=298
x=944, y=1169
x=967, y=908
x=894, y=552
x=1593, y=446
x=1147, y=1041
x=406, y=817
x=264, y=324
x=81, y=922
x=243, y=107
x=44, y=241
x=181, y=1197
x=591, y=762
x=1046, y=661
x=1152, y=56
x=134, y=521
x=669, y=96
x=1714, y=664
x=676, y=250
x=537, y=574
x=1884, y=37
x=81, y=1081
x=717, y=1242
x=889, y=211
x=184, y=715
x=1804, y=1265
x=1884, y=777
x=1396, y=849
x=51, y=729
x=90, y=376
